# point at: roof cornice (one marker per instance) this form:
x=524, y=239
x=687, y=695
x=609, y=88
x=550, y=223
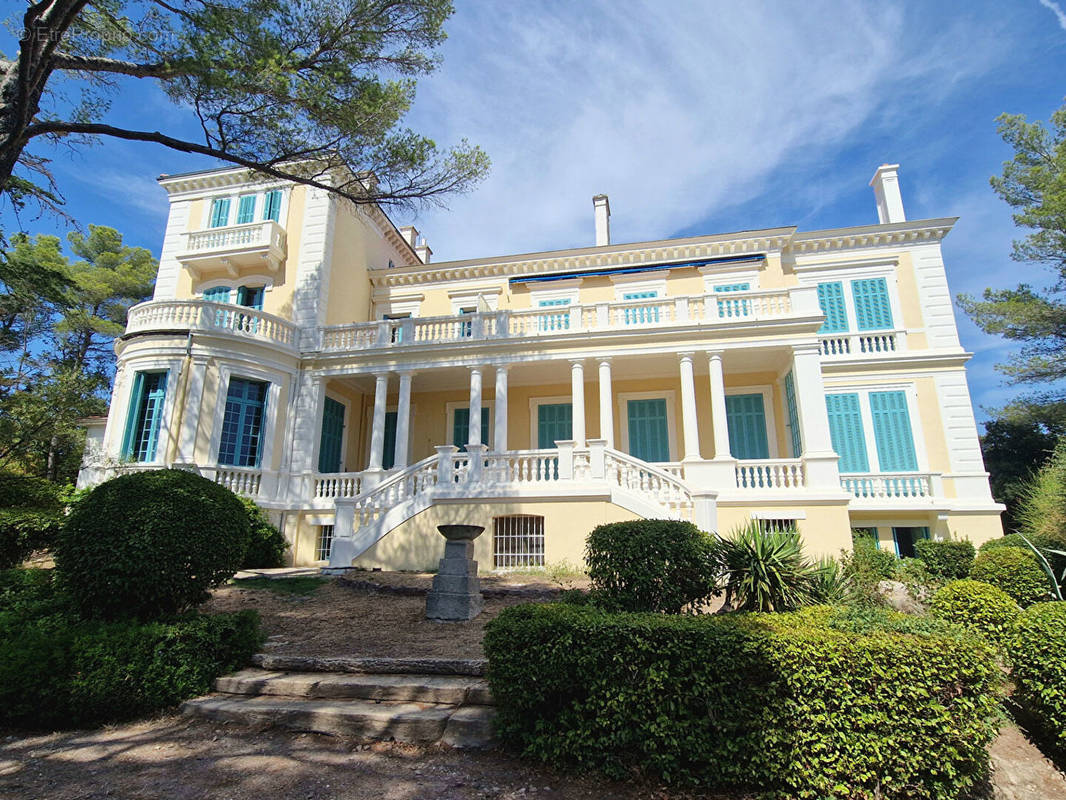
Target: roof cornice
x=585, y=258
x=896, y=233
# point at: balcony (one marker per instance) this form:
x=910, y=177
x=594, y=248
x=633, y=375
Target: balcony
x=215, y=318
x=718, y=310
x=234, y=249
x=860, y=345
x=893, y=490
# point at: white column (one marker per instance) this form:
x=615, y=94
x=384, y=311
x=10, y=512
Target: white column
x=577, y=393
x=500, y=437
x=474, y=436
x=606, y=403
x=718, y=416
x=403, y=421
x=377, y=430
x=819, y=458
x=688, y=409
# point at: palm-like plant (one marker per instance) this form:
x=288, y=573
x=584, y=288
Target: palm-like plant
x=764, y=570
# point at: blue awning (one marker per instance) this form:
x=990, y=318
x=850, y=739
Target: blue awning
x=588, y=273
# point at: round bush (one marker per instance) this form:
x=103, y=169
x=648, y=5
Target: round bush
x=979, y=606
x=1015, y=571
x=1038, y=654
x=150, y=544
x=650, y=565
x=1010, y=540
x=267, y=546
x=949, y=560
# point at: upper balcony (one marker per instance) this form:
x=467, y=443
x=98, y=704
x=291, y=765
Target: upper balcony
x=234, y=249
x=721, y=310
x=165, y=316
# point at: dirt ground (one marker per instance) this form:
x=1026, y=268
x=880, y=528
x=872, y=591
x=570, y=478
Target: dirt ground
x=343, y=618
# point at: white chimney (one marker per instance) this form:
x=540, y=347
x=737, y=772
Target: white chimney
x=603, y=219
x=423, y=252
x=410, y=235
x=886, y=189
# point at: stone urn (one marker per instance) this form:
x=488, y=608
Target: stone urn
x=456, y=592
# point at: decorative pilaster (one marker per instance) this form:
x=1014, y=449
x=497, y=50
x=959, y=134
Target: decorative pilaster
x=474, y=435
x=818, y=454
x=606, y=403
x=403, y=422
x=577, y=393
x=377, y=430
x=689, y=422
x=500, y=437
x=718, y=413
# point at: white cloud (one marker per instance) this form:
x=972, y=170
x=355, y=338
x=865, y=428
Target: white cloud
x=674, y=110
x=1055, y=9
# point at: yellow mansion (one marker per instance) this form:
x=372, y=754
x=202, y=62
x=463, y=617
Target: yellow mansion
x=303, y=351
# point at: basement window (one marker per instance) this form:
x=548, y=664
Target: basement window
x=518, y=541
x=325, y=543
x=778, y=525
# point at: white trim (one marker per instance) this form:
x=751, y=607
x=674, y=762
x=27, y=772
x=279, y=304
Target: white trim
x=473, y=297
x=637, y=282
x=271, y=411
x=391, y=308
x=712, y=278
x=534, y=413
x=781, y=513
x=882, y=268
x=449, y=419
x=670, y=396
x=264, y=282
x=570, y=293
x=767, y=393
x=171, y=366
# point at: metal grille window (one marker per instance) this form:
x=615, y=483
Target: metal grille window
x=518, y=541
x=778, y=525
x=325, y=542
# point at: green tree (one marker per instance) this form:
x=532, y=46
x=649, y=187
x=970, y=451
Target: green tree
x=1034, y=184
x=1013, y=450
x=313, y=91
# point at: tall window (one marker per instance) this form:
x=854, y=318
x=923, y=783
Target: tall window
x=242, y=426
x=641, y=315
x=272, y=205
x=141, y=438
x=872, y=306
x=793, y=416
x=332, y=439
x=555, y=322
x=245, y=209
x=461, y=427
x=846, y=433
x=731, y=306
x=219, y=212
x=890, y=423
x=745, y=417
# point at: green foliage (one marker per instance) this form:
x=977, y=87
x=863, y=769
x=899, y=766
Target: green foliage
x=23, y=531
x=867, y=564
x=25, y=491
x=1010, y=540
x=1043, y=504
x=1013, y=448
x=1034, y=184
x=1038, y=655
x=149, y=544
x=949, y=560
x=830, y=584
x=62, y=672
x=765, y=570
x=650, y=565
x=785, y=705
x=981, y=607
x=302, y=585
x=1017, y=572
x=267, y=545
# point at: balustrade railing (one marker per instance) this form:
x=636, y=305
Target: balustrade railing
x=201, y=315
x=861, y=344
x=889, y=486
x=778, y=473
x=258, y=234
x=340, y=484
x=640, y=477
x=240, y=480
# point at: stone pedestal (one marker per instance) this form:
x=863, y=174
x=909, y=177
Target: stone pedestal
x=456, y=592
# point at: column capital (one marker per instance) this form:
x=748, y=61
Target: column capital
x=576, y=362
x=502, y=367
x=406, y=373
x=380, y=374
x=714, y=354
x=807, y=349
x=686, y=355
x=604, y=360
x=478, y=368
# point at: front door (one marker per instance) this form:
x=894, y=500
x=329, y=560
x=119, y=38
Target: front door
x=649, y=434
x=746, y=421
x=329, y=449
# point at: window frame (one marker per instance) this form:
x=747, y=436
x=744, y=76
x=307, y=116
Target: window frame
x=115, y=430
x=531, y=552
x=622, y=415
x=769, y=410
x=910, y=392
x=809, y=275
x=274, y=410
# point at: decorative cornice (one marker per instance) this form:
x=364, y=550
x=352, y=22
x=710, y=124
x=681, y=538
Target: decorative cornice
x=917, y=232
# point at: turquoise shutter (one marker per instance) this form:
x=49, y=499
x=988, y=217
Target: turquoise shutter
x=461, y=427
x=905, y=538
x=146, y=413
x=217, y=294
x=845, y=431
x=793, y=416
x=133, y=414
x=329, y=449
x=649, y=435
x=872, y=309
x=746, y=421
x=272, y=205
x=892, y=430
x=555, y=423
x=728, y=307
x=245, y=209
x=831, y=299
x=250, y=297
x=388, y=454
x=242, y=425
x=219, y=212
x=644, y=314
x=555, y=322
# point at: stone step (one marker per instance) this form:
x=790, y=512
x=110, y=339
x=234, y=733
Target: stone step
x=441, y=689
x=418, y=723
x=381, y=666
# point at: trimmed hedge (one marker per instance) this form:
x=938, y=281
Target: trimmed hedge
x=946, y=559
x=150, y=544
x=267, y=546
x=31, y=515
x=60, y=672
x=1015, y=571
x=778, y=703
x=1038, y=654
x=978, y=606
x=24, y=491
x=650, y=565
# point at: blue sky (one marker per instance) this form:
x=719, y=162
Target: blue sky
x=695, y=117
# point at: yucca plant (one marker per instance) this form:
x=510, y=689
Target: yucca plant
x=764, y=570
x=830, y=584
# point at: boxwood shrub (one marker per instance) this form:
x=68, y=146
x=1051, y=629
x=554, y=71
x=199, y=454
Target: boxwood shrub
x=266, y=545
x=150, y=544
x=58, y=671
x=946, y=559
x=650, y=565
x=979, y=606
x=31, y=514
x=1015, y=571
x=782, y=704
x=1038, y=654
